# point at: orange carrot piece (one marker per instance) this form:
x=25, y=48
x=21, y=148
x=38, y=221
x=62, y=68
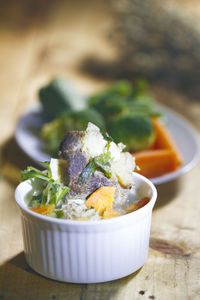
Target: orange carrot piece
x=81, y=219
x=101, y=198
x=43, y=210
x=136, y=205
x=153, y=163
x=110, y=213
x=164, y=140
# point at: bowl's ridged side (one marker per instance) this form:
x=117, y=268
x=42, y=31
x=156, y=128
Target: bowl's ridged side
x=85, y=256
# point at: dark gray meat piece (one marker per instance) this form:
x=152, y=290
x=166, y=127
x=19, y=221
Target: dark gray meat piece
x=76, y=163
x=70, y=143
x=94, y=182
x=70, y=150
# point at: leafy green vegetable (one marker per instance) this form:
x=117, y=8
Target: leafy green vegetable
x=53, y=191
x=101, y=162
x=59, y=214
x=88, y=171
x=107, y=137
x=32, y=172
x=36, y=200
x=47, y=165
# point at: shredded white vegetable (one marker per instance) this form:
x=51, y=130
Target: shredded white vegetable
x=77, y=209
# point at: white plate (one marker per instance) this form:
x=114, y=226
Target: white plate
x=28, y=128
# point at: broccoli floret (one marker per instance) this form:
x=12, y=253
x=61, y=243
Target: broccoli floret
x=135, y=131
x=143, y=106
x=111, y=106
x=122, y=98
x=121, y=88
x=141, y=101
x=139, y=88
x=58, y=96
x=53, y=131
x=112, y=100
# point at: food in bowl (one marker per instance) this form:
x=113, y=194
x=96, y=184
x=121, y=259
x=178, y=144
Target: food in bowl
x=91, y=180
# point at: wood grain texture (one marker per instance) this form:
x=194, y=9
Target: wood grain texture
x=52, y=38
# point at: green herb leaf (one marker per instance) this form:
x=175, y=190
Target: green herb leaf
x=62, y=191
x=59, y=214
x=88, y=171
x=101, y=162
x=47, y=165
x=36, y=200
x=32, y=172
x=107, y=137
x=52, y=192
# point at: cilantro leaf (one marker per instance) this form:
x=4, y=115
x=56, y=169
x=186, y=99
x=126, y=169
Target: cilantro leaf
x=88, y=171
x=53, y=191
x=107, y=137
x=32, y=172
x=101, y=162
x=47, y=165
x=59, y=214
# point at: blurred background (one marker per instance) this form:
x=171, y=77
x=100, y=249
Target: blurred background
x=92, y=43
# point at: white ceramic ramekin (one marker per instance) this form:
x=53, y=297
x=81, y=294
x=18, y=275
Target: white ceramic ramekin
x=87, y=251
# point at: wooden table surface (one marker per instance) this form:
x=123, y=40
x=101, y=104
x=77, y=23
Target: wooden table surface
x=51, y=38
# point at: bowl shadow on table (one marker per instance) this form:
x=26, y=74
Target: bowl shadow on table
x=16, y=271
x=167, y=192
